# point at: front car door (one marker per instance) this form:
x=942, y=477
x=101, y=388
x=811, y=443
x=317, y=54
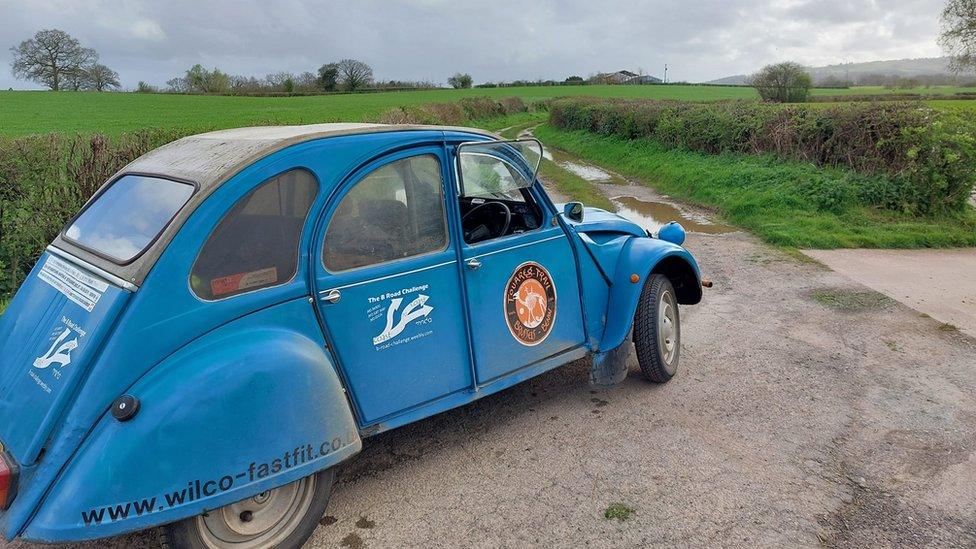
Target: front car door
x=521, y=275
x=389, y=287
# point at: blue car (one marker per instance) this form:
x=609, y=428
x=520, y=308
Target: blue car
x=232, y=313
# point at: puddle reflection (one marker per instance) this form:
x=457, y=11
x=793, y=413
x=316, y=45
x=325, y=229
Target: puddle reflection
x=655, y=214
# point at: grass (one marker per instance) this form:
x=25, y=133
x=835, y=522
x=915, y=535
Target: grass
x=850, y=301
x=29, y=112
x=618, y=511
x=574, y=186
x=4, y=303
x=764, y=195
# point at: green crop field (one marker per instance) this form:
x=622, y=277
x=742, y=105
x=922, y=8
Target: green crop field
x=28, y=112
x=23, y=112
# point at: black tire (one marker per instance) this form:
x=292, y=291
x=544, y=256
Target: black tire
x=653, y=353
x=190, y=533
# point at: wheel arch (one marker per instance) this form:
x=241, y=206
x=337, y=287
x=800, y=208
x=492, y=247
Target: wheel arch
x=639, y=258
x=215, y=424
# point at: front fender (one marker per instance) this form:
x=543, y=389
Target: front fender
x=252, y=405
x=643, y=256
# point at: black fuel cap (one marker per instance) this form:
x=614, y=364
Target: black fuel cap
x=125, y=407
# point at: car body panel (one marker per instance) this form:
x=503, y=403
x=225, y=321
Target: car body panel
x=210, y=430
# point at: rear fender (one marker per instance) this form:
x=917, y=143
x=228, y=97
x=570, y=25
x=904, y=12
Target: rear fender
x=251, y=406
x=643, y=257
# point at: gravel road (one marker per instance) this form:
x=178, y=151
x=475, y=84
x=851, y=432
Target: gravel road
x=808, y=411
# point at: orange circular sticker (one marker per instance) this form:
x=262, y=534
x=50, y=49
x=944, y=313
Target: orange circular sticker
x=530, y=303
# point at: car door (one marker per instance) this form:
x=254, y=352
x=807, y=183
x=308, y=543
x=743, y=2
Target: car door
x=388, y=286
x=522, y=289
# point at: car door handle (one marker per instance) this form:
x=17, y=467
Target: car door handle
x=473, y=263
x=332, y=296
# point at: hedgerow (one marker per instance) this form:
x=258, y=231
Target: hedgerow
x=928, y=157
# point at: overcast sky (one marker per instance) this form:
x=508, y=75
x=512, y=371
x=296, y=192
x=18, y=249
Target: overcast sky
x=492, y=40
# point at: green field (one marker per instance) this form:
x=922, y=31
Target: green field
x=28, y=112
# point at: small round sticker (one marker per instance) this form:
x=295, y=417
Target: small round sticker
x=530, y=303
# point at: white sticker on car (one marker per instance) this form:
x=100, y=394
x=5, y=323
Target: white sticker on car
x=75, y=284
x=390, y=306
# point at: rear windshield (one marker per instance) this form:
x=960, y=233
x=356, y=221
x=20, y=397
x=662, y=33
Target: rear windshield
x=128, y=216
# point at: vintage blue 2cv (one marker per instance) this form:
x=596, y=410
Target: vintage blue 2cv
x=228, y=317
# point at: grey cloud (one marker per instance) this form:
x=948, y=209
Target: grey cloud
x=493, y=40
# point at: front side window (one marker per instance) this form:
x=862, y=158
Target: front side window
x=256, y=245
x=394, y=212
x=128, y=216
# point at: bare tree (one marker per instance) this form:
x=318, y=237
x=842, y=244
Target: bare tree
x=98, y=77
x=50, y=57
x=958, y=37
x=353, y=74
x=782, y=83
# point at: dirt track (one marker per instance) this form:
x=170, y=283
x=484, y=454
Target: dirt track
x=791, y=423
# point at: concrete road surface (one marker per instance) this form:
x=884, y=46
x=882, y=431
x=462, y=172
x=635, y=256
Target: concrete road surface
x=792, y=423
x=939, y=283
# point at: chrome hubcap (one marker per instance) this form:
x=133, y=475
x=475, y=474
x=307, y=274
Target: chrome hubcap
x=264, y=520
x=667, y=330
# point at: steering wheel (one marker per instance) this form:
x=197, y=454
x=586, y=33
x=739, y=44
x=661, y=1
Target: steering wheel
x=481, y=232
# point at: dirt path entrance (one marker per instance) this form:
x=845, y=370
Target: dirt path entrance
x=939, y=283
x=808, y=411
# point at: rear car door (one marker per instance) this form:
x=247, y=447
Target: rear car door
x=389, y=289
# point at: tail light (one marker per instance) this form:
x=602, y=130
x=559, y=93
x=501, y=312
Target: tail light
x=8, y=479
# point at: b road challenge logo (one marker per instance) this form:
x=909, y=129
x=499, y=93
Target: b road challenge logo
x=530, y=303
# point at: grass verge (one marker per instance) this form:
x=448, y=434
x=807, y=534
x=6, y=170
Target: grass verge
x=573, y=186
x=766, y=196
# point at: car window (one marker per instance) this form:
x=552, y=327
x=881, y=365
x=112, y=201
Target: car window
x=128, y=216
x=487, y=176
x=256, y=245
x=395, y=211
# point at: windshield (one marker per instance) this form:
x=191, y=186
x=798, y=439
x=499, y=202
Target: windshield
x=128, y=216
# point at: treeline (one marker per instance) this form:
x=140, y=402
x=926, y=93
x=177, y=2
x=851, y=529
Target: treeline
x=346, y=75
x=928, y=157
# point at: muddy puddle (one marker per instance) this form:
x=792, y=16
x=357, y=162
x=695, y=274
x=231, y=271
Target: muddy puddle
x=653, y=215
x=632, y=202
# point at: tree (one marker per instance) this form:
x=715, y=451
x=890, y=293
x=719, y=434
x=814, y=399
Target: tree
x=329, y=77
x=460, y=81
x=575, y=80
x=50, y=57
x=958, y=37
x=782, y=83
x=200, y=80
x=98, y=77
x=353, y=74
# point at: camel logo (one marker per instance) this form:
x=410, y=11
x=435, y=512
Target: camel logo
x=59, y=353
x=530, y=303
x=416, y=309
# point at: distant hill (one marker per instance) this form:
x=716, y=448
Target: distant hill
x=904, y=68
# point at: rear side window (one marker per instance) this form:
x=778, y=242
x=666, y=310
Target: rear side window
x=128, y=216
x=256, y=245
x=395, y=211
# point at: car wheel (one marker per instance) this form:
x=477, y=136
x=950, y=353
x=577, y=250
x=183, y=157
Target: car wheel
x=282, y=517
x=657, y=330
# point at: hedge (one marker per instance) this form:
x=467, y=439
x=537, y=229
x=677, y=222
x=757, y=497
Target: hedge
x=928, y=156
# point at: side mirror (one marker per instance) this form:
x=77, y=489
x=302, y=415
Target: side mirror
x=573, y=211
